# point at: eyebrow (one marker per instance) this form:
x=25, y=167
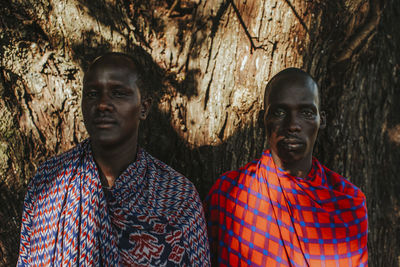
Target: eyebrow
x=308, y=105
x=313, y=106
x=110, y=82
x=300, y=105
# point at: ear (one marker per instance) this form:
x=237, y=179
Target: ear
x=145, y=106
x=322, y=116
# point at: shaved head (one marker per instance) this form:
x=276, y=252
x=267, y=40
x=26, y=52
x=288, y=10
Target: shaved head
x=286, y=76
x=292, y=119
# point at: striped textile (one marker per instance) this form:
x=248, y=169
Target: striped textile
x=151, y=217
x=262, y=216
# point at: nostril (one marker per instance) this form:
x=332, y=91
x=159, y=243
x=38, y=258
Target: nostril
x=293, y=125
x=104, y=103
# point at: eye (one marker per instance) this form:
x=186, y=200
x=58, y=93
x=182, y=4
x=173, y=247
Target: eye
x=308, y=113
x=119, y=92
x=279, y=112
x=91, y=93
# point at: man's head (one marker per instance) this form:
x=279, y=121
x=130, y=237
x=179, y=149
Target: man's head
x=292, y=116
x=112, y=102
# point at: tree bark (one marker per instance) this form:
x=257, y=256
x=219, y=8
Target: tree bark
x=210, y=61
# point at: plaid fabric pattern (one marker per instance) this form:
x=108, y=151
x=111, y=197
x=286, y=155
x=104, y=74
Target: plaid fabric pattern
x=151, y=217
x=262, y=216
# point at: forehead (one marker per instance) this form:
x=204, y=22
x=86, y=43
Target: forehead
x=112, y=68
x=293, y=90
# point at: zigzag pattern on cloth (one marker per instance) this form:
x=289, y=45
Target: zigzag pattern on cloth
x=152, y=216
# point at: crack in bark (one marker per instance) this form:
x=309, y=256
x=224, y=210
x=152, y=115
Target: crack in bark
x=246, y=31
x=137, y=33
x=173, y=6
x=253, y=47
x=365, y=32
x=222, y=131
x=274, y=46
x=207, y=96
x=27, y=99
x=298, y=16
x=193, y=40
x=214, y=28
x=261, y=22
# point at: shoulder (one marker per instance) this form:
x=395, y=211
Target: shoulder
x=232, y=179
x=169, y=180
x=53, y=167
x=338, y=182
x=175, y=193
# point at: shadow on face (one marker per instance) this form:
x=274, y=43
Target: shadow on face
x=292, y=117
x=112, y=106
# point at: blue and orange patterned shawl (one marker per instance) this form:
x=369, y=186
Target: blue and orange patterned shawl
x=262, y=216
x=151, y=217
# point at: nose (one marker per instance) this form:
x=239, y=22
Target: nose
x=104, y=102
x=293, y=124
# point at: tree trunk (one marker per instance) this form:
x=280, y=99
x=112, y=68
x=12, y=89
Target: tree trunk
x=210, y=61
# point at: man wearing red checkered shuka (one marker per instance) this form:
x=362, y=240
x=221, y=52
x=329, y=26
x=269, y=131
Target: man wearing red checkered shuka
x=286, y=208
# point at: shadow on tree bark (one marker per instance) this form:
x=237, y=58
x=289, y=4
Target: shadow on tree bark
x=351, y=47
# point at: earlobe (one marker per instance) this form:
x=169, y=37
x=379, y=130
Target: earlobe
x=323, y=120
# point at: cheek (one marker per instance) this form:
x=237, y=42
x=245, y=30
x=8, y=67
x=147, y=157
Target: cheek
x=86, y=107
x=272, y=133
x=84, y=110
x=137, y=108
x=272, y=128
x=87, y=104
x=130, y=110
x=268, y=129
x=313, y=130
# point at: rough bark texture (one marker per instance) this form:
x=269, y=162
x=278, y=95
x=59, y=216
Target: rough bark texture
x=210, y=60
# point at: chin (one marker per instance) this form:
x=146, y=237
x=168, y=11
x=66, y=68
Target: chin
x=104, y=140
x=291, y=156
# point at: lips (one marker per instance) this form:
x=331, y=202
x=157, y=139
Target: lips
x=292, y=144
x=104, y=122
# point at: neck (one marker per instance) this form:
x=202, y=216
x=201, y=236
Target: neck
x=113, y=160
x=299, y=168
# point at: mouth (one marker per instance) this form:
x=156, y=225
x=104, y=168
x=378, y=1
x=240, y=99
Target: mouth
x=104, y=122
x=292, y=144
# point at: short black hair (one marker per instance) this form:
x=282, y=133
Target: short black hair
x=288, y=71
x=145, y=78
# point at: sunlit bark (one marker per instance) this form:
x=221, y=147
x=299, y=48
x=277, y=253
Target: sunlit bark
x=212, y=60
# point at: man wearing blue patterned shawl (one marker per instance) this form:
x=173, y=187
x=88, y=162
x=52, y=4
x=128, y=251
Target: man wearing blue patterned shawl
x=107, y=202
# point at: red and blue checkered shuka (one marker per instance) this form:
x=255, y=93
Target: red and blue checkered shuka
x=262, y=216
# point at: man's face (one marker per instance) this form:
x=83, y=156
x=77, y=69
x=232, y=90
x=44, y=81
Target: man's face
x=292, y=118
x=111, y=103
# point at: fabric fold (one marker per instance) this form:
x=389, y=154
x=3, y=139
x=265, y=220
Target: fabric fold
x=151, y=217
x=261, y=215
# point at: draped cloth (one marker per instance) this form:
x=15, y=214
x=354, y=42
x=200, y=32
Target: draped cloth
x=152, y=216
x=262, y=216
